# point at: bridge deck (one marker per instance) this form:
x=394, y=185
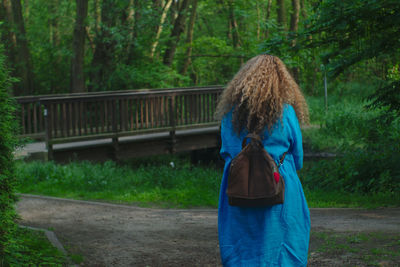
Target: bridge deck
x=128, y=146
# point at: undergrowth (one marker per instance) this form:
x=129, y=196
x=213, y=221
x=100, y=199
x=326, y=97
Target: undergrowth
x=32, y=248
x=171, y=182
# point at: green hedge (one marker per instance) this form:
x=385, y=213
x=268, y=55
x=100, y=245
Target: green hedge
x=7, y=171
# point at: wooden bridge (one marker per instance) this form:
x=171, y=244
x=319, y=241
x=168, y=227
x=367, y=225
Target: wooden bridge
x=121, y=124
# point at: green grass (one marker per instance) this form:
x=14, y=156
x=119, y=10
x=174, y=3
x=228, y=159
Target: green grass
x=160, y=184
x=32, y=248
x=356, y=249
x=152, y=182
x=326, y=199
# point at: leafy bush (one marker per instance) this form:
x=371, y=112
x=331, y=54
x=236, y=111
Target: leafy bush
x=32, y=248
x=367, y=161
x=7, y=175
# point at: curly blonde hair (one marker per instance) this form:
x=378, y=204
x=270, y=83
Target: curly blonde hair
x=257, y=94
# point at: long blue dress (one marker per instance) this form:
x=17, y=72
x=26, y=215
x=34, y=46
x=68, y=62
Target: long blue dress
x=267, y=236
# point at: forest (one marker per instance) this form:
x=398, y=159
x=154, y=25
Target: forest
x=351, y=49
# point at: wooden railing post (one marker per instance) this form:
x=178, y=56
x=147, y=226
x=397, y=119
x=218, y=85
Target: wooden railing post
x=48, y=128
x=115, y=144
x=172, y=122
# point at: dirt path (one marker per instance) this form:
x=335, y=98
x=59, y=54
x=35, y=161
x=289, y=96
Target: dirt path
x=121, y=235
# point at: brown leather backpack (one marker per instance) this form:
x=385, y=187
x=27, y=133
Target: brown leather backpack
x=254, y=179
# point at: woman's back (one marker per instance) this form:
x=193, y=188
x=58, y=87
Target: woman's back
x=271, y=236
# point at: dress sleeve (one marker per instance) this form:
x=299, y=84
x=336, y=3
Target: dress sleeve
x=225, y=129
x=296, y=138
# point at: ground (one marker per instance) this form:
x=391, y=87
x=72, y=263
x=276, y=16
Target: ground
x=122, y=235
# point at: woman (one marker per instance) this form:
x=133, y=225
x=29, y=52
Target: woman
x=264, y=98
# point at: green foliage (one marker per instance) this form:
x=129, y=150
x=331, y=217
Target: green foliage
x=147, y=75
x=157, y=183
x=356, y=31
x=208, y=70
x=367, y=159
x=7, y=175
x=366, y=144
x=32, y=248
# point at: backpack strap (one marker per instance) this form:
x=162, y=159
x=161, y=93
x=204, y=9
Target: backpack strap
x=257, y=138
x=252, y=136
x=282, y=159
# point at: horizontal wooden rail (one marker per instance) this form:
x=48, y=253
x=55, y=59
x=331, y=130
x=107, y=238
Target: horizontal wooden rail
x=81, y=117
x=30, y=112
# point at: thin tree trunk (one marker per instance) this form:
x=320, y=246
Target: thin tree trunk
x=189, y=38
x=97, y=10
x=136, y=16
x=258, y=20
x=102, y=62
x=27, y=12
x=294, y=24
x=130, y=21
x=54, y=31
x=160, y=27
x=267, y=18
x=77, y=77
x=294, y=20
x=303, y=9
x=234, y=25
x=281, y=11
x=7, y=35
x=179, y=27
x=24, y=61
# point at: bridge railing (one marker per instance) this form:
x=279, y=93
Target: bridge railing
x=81, y=117
x=79, y=114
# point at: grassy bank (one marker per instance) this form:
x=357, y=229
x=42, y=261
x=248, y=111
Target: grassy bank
x=170, y=182
x=32, y=248
x=160, y=184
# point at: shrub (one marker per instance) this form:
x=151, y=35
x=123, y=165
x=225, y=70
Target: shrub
x=368, y=161
x=7, y=174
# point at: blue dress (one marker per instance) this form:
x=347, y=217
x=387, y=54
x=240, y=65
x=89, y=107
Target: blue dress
x=267, y=236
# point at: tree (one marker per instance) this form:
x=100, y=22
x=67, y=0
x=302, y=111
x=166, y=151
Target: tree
x=77, y=76
x=269, y=5
x=355, y=31
x=179, y=27
x=102, y=62
x=23, y=56
x=233, y=24
x=160, y=27
x=281, y=11
x=7, y=35
x=189, y=37
x=7, y=171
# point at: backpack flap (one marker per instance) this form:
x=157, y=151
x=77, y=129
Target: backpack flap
x=254, y=179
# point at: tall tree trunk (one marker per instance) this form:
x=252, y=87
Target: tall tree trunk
x=24, y=61
x=54, y=31
x=281, y=11
x=179, y=27
x=136, y=16
x=7, y=35
x=160, y=27
x=258, y=20
x=130, y=22
x=269, y=5
x=294, y=24
x=102, y=62
x=97, y=15
x=234, y=25
x=303, y=9
x=189, y=37
x=77, y=77
x=294, y=19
